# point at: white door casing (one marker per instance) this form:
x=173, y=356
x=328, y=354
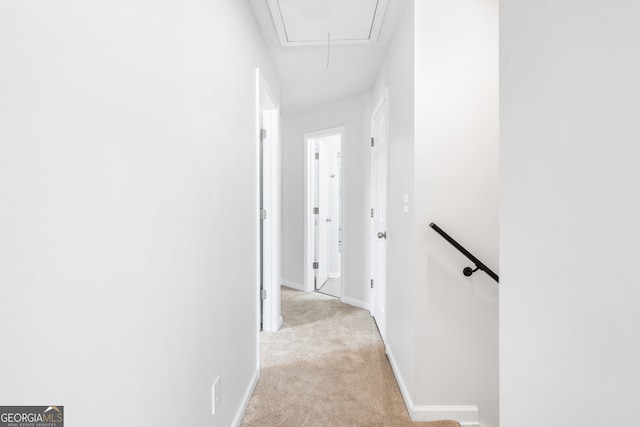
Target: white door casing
x=269, y=170
x=379, y=188
x=310, y=140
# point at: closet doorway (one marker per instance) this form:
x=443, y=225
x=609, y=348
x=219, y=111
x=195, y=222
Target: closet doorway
x=323, y=231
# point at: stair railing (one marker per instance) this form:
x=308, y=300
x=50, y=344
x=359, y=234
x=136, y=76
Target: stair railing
x=467, y=271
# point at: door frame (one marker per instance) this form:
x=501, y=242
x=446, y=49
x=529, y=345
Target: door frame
x=269, y=195
x=383, y=101
x=308, y=206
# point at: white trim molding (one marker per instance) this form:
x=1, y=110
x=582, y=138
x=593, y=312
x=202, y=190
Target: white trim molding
x=293, y=285
x=408, y=402
x=269, y=184
x=356, y=303
x=246, y=398
x=466, y=415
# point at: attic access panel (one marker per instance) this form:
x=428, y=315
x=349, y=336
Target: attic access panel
x=307, y=22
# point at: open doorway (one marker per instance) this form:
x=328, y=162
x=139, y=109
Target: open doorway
x=323, y=229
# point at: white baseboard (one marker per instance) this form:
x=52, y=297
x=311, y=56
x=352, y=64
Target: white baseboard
x=466, y=415
x=293, y=285
x=356, y=303
x=246, y=398
x=408, y=402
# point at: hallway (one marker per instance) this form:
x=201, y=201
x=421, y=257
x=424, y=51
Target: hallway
x=130, y=211
x=325, y=367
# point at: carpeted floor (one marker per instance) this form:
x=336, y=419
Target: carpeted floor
x=326, y=367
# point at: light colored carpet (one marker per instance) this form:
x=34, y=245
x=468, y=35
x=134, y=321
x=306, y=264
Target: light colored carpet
x=326, y=367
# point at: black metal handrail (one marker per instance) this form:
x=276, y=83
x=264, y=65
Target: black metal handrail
x=467, y=271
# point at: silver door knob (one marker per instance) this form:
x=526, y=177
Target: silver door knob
x=382, y=235
x=328, y=220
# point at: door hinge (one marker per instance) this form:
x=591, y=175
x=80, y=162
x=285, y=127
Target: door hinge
x=316, y=211
x=263, y=134
x=371, y=212
x=316, y=265
x=372, y=141
x=317, y=156
x=263, y=294
x=371, y=283
x=263, y=214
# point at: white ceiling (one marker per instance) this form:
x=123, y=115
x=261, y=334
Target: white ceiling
x=305, y=79
x=316, y=22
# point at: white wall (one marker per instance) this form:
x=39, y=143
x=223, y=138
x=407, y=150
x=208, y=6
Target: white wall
x=457, y=187
x=397, y=74
x=354, y=113
x=125, y=253
x=570, y=294
x=443, y=327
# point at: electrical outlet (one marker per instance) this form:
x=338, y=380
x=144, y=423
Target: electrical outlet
x=215, y=395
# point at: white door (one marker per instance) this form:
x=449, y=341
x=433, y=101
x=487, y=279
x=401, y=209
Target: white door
x=322, y=217
x=379, y=183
